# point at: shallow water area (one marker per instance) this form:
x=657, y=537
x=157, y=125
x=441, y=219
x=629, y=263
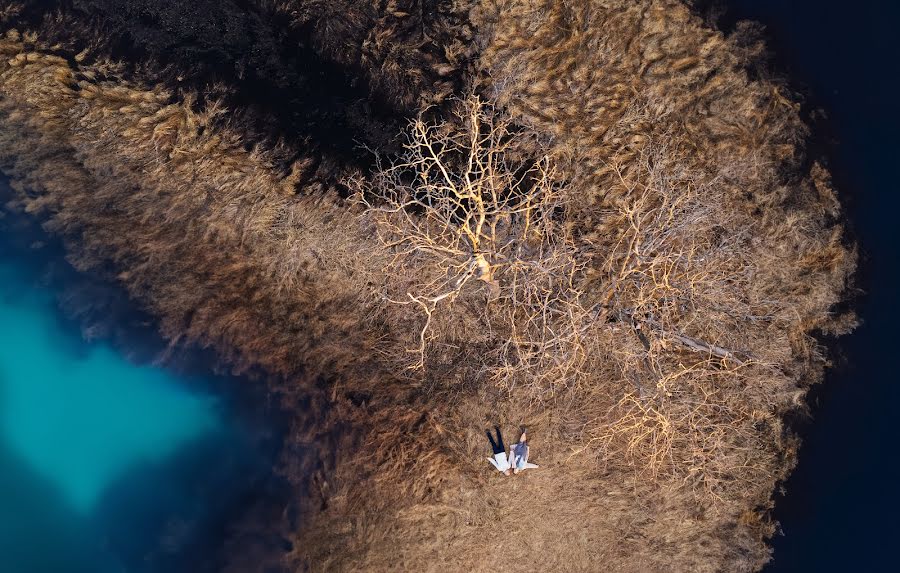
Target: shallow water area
x=107, y=465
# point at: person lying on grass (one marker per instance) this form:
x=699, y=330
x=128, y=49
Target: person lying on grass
x=518, y=454
x=499, y=461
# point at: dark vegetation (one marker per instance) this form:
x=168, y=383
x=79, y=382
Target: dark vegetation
x=661, y=257
x=316, y=74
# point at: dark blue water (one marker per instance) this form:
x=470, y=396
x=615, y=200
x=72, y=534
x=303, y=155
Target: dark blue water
x=110, y=463
x=841, y=508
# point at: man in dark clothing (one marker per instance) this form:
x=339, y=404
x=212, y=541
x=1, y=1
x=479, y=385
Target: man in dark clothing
x=500, y=460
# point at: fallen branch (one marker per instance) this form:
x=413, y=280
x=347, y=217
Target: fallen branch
x=695, y=344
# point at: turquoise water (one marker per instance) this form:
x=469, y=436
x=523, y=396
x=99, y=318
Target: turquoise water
x=74, y=418
x=80, y=419
x=107, y=466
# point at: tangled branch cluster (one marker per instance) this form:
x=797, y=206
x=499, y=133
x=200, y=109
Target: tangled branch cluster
x=676, y=276
x=680, y=262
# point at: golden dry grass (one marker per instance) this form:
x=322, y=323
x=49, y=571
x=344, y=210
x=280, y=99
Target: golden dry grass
x=706, y=247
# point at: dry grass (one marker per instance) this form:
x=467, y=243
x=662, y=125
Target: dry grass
x=670, y=222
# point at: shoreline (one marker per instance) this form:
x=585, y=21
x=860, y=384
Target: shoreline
x=834, y=57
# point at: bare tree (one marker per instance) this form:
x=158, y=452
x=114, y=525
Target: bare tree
x=463, y=212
